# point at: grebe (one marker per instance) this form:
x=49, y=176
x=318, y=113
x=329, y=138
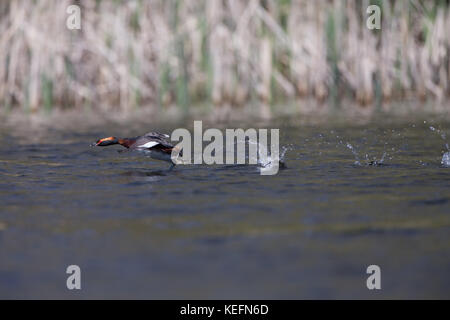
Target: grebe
x=152, y=144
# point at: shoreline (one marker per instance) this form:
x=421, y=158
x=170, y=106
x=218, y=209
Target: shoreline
x=306, y=112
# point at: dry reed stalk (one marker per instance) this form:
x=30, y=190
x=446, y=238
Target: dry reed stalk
x=136, y=53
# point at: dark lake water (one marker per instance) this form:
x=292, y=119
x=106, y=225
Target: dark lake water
x=138, y=230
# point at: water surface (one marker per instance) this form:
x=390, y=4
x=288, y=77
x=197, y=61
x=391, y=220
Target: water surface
x=138, y=230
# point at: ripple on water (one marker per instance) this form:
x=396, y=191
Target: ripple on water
x=297, y=220
x=430, y=202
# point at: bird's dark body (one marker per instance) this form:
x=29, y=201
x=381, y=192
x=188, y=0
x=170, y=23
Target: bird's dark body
x=135, y=143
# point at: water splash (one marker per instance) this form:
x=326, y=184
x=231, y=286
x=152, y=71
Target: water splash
x=266, y=163
x=265, y=160
x=376, y=162
x=352, y=149
x=446, y=159
x=442, y=134
x=368, y=161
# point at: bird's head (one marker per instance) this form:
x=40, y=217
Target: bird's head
x=105, y=142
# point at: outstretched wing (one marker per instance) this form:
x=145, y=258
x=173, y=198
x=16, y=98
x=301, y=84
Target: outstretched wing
x=157, y=135
x=153, y=140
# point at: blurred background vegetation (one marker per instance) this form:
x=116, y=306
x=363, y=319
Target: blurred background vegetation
x=226, y=53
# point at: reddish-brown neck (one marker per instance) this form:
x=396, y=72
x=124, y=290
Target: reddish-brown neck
x=126, y=142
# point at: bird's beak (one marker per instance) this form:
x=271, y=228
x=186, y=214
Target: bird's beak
x=104, y=142
x=93, y=144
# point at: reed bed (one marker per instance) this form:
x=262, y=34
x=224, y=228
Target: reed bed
x=159, y=53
